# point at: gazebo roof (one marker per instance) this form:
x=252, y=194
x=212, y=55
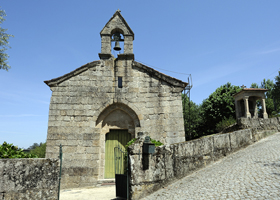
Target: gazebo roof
x=250, y=92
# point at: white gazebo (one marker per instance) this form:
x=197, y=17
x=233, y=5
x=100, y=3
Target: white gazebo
x=246, y=105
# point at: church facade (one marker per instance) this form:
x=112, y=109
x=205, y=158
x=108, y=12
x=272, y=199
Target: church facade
x=106, y=103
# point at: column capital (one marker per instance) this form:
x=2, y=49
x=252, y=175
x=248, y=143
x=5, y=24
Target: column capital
x=245, y=97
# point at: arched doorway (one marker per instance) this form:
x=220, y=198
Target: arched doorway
x=118, y=124
x=115, y=138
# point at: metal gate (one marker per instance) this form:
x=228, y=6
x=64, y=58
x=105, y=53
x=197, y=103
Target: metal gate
x=121, y=173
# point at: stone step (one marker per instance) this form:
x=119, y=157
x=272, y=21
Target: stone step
x=106, y=182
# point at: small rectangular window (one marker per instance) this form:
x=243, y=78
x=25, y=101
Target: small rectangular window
x=119, y=82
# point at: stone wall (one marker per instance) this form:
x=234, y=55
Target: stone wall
x=171, y=162
x=259, y=124
x=29, y=178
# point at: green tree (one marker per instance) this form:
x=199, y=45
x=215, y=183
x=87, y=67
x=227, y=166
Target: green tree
x=218, y=106
x=4, y=43
x=269, y=85
x=254, y=85
x=39, y=150
x=276, y=94
x=33, y=146
x=192, y=118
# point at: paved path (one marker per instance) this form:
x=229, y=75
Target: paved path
x=106, y=192
x=252, y=173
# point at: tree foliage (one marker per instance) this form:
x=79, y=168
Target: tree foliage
x=11, y=151
x=4, y=43
x=34, y=145
x=276, y=94
x=269, y=85
x=38, y=149
x=218, y=110
x=192, y=118
x=218, y=106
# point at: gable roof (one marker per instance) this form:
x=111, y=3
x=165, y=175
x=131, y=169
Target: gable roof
x=153, y=73
x=111, y=25
x=56, y=81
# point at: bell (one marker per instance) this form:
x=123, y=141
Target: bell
x=117, y=46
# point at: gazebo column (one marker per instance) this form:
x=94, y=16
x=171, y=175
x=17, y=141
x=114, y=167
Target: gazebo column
x=237, y=109
x=246, y=104
x=255, y=108
x=265, y=116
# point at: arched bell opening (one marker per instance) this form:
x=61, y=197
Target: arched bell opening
x=117, y=41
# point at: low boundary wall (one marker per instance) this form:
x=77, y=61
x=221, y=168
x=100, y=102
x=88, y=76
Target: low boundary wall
x=172, y=162
x=29, y=178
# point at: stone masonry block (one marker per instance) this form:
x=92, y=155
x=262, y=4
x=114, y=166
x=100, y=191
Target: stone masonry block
x=203, y=146
x=221, y=145
x=239, y=139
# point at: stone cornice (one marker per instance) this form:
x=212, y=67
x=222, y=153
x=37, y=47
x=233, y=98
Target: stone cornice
x=245, y=91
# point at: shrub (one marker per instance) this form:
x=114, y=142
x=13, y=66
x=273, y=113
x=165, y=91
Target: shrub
x=11, y=151
x=157, y=143
x=225, y=123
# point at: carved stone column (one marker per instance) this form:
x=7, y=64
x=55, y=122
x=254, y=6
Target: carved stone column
x=255, y=107
x=246, y=104
x=265, y=116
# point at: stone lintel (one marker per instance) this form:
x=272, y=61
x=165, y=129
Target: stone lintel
x=105, y=56
x=129, y=56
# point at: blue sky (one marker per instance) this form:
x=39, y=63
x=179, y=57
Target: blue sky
x=214, y=41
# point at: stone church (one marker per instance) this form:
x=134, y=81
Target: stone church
x=106, y=103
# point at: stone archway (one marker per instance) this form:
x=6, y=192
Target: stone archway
x=117, y=116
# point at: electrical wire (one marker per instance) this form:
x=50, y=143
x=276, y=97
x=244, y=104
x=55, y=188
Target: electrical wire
x=161, y=68
x=273, y=73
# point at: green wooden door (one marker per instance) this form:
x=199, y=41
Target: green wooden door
x=115, y=138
